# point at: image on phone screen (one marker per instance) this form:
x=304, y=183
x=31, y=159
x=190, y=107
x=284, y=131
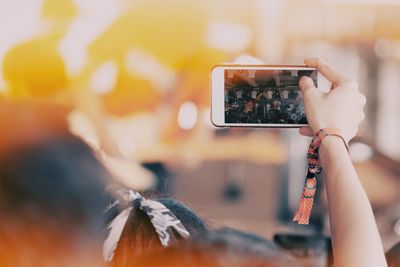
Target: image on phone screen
x=265, y=96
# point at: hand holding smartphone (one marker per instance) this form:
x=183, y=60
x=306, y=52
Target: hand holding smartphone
x=258, y=95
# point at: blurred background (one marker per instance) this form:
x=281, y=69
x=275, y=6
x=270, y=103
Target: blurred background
x=134, y=78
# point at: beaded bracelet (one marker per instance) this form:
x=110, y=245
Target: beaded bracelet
x=303, y=213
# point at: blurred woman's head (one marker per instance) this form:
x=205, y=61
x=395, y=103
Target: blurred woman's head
x=220, y=248
x=149, y=225
x=251, y=246
x=52, y=193
x=393, y=256
x=52, y=198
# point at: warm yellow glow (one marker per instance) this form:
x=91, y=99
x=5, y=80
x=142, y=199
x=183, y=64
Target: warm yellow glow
x=34, y=69
x=225, y=35
x=138, y=62
x=104, y=78
x=15, y=29
x=92, y=19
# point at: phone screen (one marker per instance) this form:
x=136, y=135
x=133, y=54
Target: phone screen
x=256, y=96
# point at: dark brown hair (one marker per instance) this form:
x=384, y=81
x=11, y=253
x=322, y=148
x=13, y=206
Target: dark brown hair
x=139, y=236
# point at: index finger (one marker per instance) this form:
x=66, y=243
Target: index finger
x=333, y=76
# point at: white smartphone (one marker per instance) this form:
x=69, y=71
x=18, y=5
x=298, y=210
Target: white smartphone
x=258, y=95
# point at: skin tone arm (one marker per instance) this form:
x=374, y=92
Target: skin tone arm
x=355, y=236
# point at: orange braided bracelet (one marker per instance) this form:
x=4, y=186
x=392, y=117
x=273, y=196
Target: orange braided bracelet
x=303, y=213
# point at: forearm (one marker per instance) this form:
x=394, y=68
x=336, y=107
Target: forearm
x=355, y=236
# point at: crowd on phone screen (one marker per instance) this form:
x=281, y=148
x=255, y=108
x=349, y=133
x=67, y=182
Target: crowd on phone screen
x=59, y=206
x=279, y=105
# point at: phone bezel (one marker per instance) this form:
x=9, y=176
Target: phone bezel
x=218, y=87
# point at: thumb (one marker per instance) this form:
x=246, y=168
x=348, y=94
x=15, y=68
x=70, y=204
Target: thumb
x=307, y=131
x=307, y=85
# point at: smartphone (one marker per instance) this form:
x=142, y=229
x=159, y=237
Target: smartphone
x=258, y=95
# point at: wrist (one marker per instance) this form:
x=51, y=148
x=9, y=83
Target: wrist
x=330, y=131
x=330, y=145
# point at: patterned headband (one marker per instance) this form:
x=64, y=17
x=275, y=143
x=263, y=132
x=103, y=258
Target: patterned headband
x=162, y=219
